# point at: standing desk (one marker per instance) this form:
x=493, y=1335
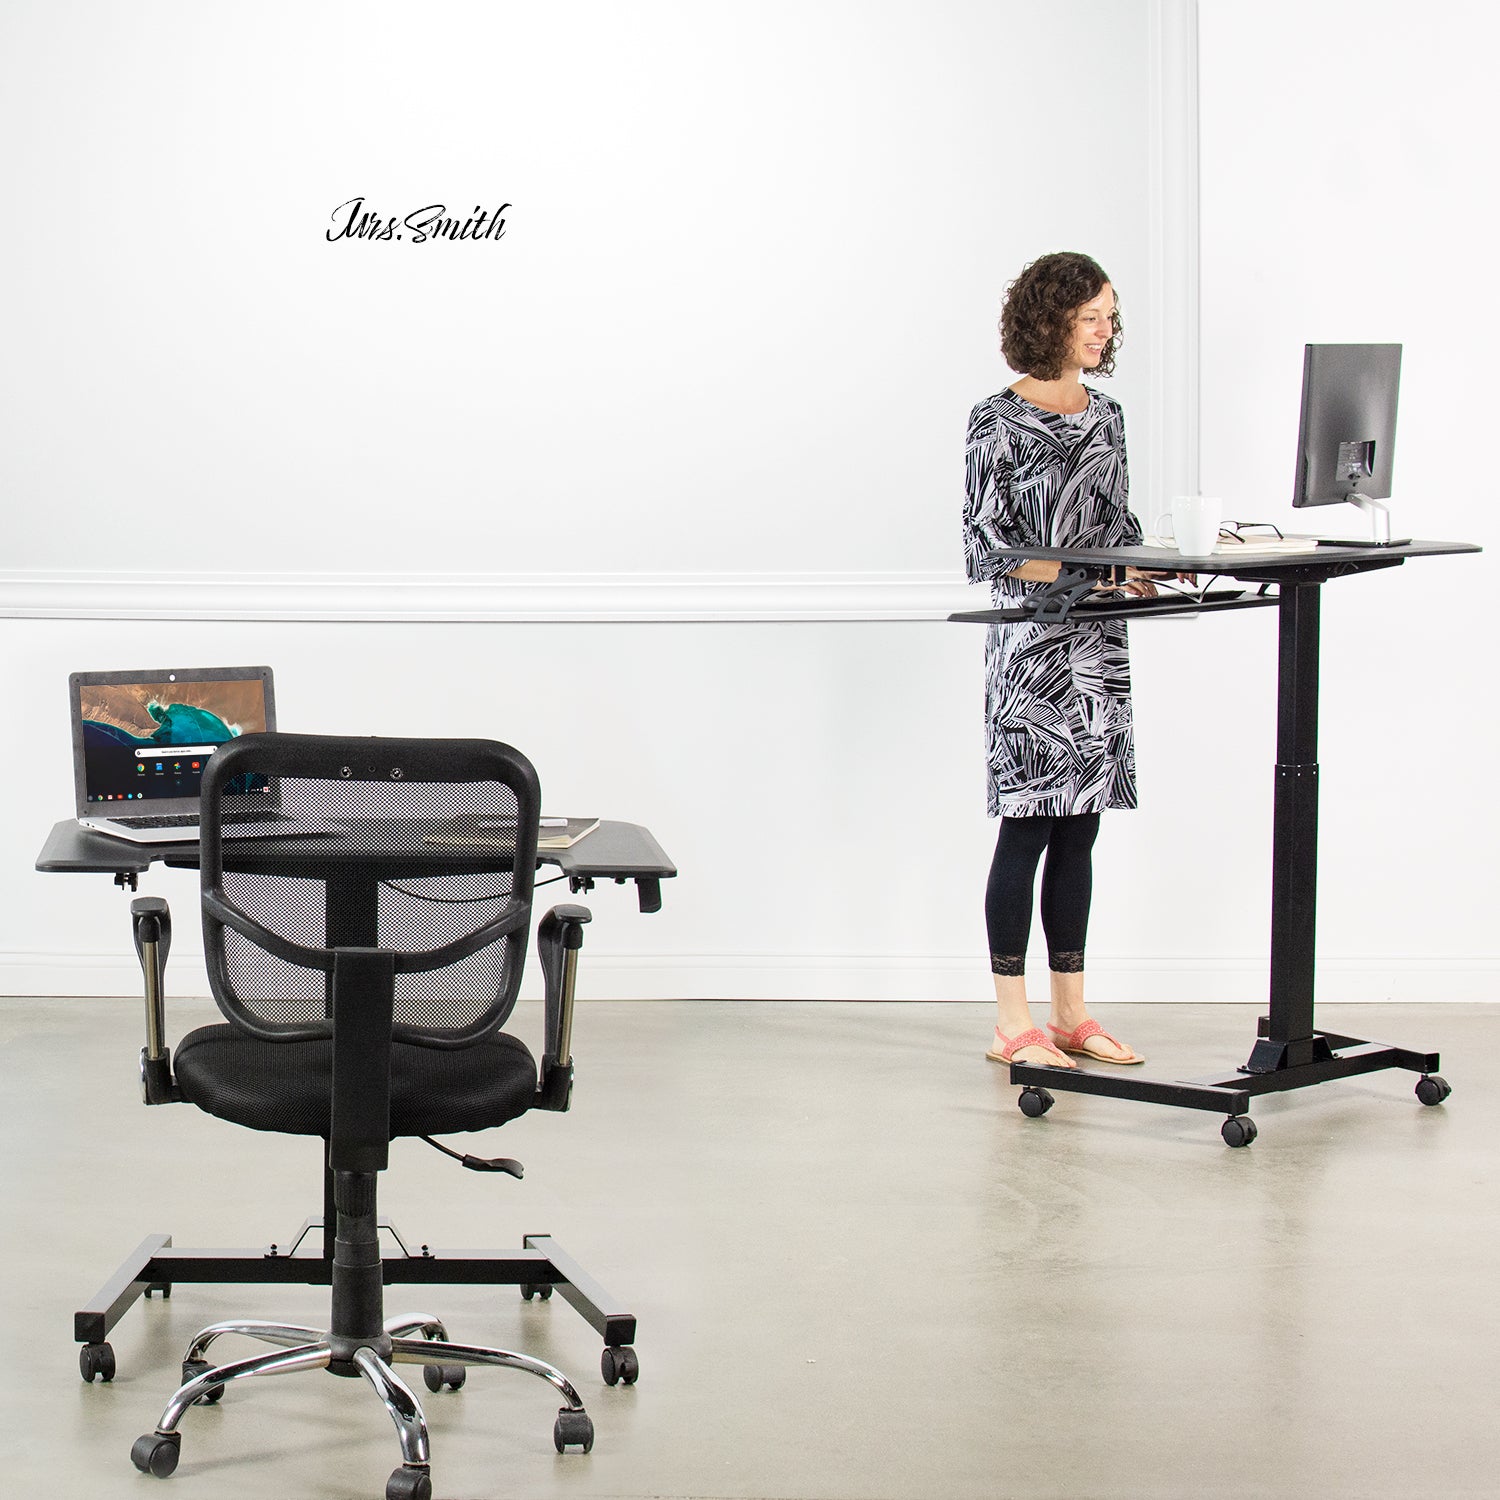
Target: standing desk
x=613, y=851
x=1290, y=1050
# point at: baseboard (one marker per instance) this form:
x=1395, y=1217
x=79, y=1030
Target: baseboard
x=893, y=977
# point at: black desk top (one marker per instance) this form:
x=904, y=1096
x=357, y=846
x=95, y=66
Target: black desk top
x=1250, y=563
x=1069, y=600
x=613, y=851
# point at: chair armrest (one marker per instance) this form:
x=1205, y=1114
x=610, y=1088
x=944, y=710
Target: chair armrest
x=151, y=924
x=559, y=936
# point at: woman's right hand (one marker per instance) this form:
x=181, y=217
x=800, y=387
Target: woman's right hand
x=1137, y=584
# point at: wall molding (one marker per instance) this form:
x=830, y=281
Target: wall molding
x=464, y=597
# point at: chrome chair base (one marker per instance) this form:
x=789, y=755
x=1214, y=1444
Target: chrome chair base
x=418, y=1340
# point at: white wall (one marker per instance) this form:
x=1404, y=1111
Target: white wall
x=768, y=759
x=744, y=300
x=684, y=452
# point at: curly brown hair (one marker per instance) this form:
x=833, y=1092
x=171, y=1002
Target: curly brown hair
x=1037, y=321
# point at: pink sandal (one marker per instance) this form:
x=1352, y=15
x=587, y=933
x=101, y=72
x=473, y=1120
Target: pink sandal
x=1010, y=1045
x=1073, y=1041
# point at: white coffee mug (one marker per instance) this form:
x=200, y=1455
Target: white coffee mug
x=1193, y=524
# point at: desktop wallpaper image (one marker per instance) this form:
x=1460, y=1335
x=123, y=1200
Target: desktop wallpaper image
x=166, y=713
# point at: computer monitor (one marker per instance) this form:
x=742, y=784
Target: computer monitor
x=1347, y=437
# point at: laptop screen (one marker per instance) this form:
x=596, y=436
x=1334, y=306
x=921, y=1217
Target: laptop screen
x=141, y=739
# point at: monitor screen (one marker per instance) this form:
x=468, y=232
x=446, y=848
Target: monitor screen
x=1347, y=438
x=146, y=740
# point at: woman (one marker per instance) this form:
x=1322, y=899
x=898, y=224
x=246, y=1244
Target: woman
x=1045, y=467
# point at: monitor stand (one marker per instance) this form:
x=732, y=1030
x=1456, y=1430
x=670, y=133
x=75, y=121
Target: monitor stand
x=1380, y=523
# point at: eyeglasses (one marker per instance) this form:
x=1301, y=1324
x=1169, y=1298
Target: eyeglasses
x=1249, y=531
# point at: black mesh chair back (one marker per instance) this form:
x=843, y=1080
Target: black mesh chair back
x=425, y=868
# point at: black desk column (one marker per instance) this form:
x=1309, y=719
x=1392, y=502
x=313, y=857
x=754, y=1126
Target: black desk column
x=1289, y=1039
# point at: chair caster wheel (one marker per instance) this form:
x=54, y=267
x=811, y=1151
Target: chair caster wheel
x=619, y=1363
x=530, y=1289
x=96, y=1359
x=573, y=1429
x=1433, y=1090
x=191, y=1370
x=409, y=1482
x=1238, y=1130
x=1035, y=1102
x=156, y=1453
x=435, y=1377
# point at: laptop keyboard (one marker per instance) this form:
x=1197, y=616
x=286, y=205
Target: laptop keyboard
x=190, y=820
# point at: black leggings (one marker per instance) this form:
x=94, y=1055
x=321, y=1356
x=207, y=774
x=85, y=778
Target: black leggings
x=1067, y=886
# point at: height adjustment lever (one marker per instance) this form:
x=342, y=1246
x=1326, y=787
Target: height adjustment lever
x=1053, y=604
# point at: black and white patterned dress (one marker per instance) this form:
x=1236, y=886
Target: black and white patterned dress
x=1057, y=697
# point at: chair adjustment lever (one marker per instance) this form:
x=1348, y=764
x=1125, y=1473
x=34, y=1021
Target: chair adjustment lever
x=507, y=1164
x=504, y=1164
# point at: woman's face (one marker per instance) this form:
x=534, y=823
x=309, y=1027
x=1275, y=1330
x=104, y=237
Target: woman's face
x=1093, y=324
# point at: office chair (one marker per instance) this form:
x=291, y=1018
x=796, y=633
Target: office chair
x=365, y=967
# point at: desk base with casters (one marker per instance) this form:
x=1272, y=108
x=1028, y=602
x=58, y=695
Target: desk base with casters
x=1290, y=1051
x=537, y=1269
x=617, y=852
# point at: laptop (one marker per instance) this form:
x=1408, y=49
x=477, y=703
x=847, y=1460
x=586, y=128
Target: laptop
x=142, y=739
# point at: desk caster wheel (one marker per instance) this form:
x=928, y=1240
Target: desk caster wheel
x=573, y=1429
x=409, y=1483
x=1433, y=1090
x=191, y=1370
x=435, y=1377
x=1238, y=1130
x=1035, y=1102
x=530, y=1289
x=96, y=1359
x=619, y=1363
x=156, y=1453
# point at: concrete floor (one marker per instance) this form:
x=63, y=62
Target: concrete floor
x=861, y=1273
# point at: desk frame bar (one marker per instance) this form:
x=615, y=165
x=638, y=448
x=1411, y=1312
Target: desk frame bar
x=155, y=1265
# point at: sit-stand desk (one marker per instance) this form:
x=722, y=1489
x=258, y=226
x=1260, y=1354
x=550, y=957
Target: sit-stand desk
x=613, y=851
x=1290, y=1051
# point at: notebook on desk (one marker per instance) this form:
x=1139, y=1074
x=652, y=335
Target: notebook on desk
x=142, y=739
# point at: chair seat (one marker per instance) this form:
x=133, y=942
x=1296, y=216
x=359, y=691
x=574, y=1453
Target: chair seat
x=286, y=1086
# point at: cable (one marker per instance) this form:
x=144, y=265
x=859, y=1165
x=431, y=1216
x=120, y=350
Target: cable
x=402, y=890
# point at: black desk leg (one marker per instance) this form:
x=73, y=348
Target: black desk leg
x=1290, y=1052
x=1289, y=1040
